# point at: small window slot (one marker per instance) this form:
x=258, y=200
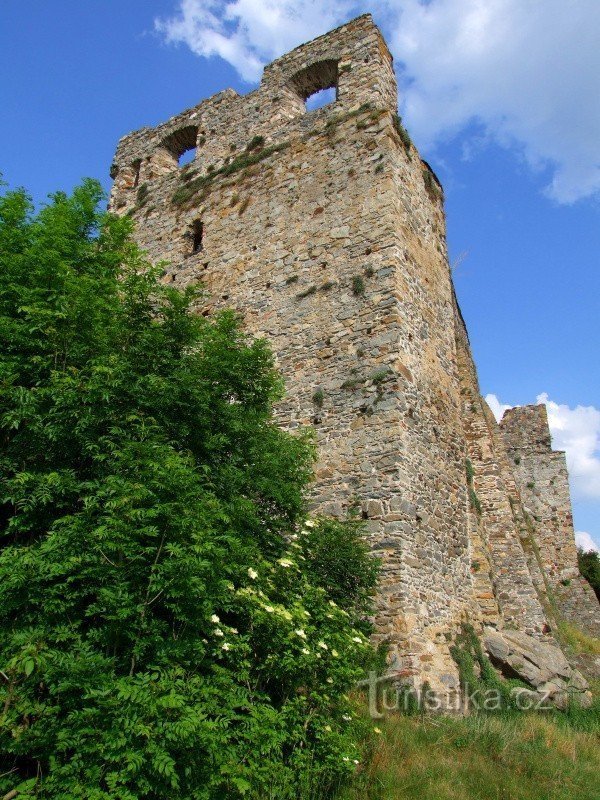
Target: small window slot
x=197, y=236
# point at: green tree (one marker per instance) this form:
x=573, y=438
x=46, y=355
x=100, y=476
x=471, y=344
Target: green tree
x=589, y=566
x=161, y=632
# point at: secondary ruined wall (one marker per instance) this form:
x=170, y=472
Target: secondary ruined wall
x=543, y=483
x=326, y=231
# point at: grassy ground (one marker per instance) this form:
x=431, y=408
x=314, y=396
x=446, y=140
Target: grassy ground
x=515, y=756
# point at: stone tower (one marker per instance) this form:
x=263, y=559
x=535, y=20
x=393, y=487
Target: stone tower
x=326, y=231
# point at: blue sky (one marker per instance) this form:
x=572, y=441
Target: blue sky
x=501, y=96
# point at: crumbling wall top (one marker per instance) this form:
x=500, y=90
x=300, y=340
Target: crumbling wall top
x=353, y=60
x=526, y=428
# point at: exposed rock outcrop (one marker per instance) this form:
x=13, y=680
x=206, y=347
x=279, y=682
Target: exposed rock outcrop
x=541, y=665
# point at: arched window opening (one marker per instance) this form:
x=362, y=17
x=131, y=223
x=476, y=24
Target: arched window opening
x=181, y=145
x=187, y=156
x=317, y=84
x=321, y=98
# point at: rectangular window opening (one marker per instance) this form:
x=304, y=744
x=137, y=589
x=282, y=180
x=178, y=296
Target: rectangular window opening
x=197, y=236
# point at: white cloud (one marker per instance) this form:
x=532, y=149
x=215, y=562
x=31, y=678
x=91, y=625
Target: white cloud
x=497, y=407
x=585, y=541
x=577, y=432
x=527, y=72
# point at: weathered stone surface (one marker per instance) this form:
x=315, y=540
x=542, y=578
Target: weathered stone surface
x=326, y=232
x=540, y=664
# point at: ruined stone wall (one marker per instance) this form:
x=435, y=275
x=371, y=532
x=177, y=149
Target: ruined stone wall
x=326, y=232
x=543, y=483
x=332, y=245
x=508, y=585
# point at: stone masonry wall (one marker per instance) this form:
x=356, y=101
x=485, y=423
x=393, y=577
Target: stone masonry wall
x=326, y=232
x=543, y=483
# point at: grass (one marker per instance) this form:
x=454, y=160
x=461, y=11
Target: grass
x=402, y=133
x=431, y=186
x=488, y=757
x=576, y=640
x=185, y=193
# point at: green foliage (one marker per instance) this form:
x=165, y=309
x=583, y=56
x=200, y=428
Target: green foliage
x=185, y=193
x=165, y=630
x=402, y=133
x=431, y=185
x=307, y=292
x=256, y=143
x=338, y=560
x=380, y=375
x=589, y=566
x=358, y=285
x=477, y=674
x=318, y=398
x=141, y=196
x=474, y=501
x=470, y=472
x=513, y=756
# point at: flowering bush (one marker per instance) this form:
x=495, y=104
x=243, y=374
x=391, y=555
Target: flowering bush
x=167, y=625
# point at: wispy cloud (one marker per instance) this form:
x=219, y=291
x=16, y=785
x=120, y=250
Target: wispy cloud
x=527, y=73
x=585, y=541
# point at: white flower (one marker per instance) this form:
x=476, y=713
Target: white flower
x=346, y=717
x=306, y=651
x=285, y=562
x=357, y=639
x=309, y=523
x=252, y=573
x=345, y=758
x=322, y=645
x=355, y=761
x=215, y=619
x=218, y=632
x=299, y=632
x=334, y=653
x=294, y=536
x=269, y=609
x=329, y=680
x=226, y=647
x=233, y=630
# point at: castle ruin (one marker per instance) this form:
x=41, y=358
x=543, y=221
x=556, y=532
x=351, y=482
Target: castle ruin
x=325, y=230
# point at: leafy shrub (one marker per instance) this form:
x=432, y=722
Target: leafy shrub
x=338, y=560
x=589, y=566
x=402, y=133
x=358, y=285
x=256, y=143
x=318, y=398
x=162, y=632
x=431, y=185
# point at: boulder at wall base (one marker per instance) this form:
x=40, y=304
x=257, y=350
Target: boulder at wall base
x=539, y=664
